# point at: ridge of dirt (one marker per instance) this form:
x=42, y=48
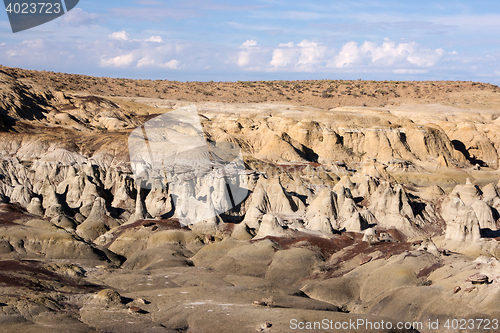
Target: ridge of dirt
x=324, y=94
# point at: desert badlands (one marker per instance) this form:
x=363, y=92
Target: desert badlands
x=356, y=206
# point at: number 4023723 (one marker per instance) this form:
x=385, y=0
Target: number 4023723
x=34, y=8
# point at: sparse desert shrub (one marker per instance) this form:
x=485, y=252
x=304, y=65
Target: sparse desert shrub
x=325, y=94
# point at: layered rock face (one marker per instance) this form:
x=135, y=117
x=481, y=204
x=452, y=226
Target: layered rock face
x=333, y=201
x=97, y=199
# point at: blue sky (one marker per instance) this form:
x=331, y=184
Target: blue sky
x=192, y=40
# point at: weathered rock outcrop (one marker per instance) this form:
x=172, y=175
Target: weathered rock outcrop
x=461, y=221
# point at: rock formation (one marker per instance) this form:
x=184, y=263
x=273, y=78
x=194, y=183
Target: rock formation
x=345, y=205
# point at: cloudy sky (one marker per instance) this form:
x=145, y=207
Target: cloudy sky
x=216, y=40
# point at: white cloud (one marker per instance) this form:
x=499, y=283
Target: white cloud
x=144, y=55
x=148, y=55
x=146, y=62
x=249, y=43
x=150, y=62
x=78, y=17
x=313, y=56
x=387, y=54
x=349, y=54
x=244, y=57
x=425, y=57
x=154, y=39
x=36, y=43
x=119, y=35
x=311, y=53
x=172, y=64
x=282, y=57
x=472, y=22
x=124, y=36
x=119, y=61
x=305, y=54
x=410, y=71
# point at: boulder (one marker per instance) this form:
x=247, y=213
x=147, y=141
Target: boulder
x=35, y=207
x=269, y=227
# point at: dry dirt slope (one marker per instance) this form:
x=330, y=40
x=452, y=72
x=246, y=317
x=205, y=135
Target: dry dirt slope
x=323, y=94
